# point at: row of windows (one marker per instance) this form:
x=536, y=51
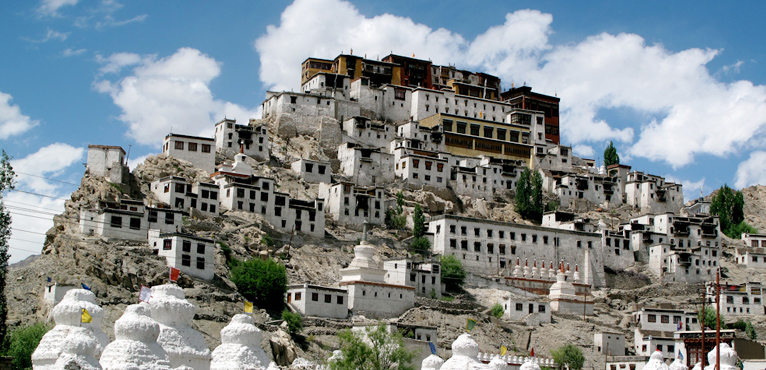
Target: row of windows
x=356, y=213
x=186, y=246
x=477, y=247
x=321, y=169
x=315, y=297
x=745, y=300
x=540, y=308
x=512, y=235
x=489, y=132
x=186, y=261
x=192, y=147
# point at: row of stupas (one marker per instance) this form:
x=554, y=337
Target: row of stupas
x=149, y=336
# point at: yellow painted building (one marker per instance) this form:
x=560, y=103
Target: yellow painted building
x=312, y=66
x=355, y=67
x=474, y=137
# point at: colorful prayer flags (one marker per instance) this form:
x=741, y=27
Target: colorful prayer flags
x=248, y=307
x=680, y=355
x=86, y=317
x=503, y=350
x=85, y=286
x=469, y=325
x=174, y=273
x=145, y=294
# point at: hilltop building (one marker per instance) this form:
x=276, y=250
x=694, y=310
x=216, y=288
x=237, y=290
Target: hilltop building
x=108, y=162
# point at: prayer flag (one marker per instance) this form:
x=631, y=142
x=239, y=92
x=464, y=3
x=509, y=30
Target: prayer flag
x=680, y=355
x=86, y=317
x=174, y=272
x=503, y=350
x=680, y=325
x=532, y=352
x=469, y=324
x=145, y=294
x=433, y=347
x=85, y=287
x=248, y=307
x=49, y=279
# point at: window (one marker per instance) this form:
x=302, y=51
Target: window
x=315, y=297
x=664, y=319
x=186, y=246
x=488, y=131
x=339, y=299
x=476, y=231
x=200, y=263
x=475, y=130
x=180, y=145
x=519, y=307
x=185, y=260
x=327, y=298
x=135, y=223
x=201, y=248
x=169, y=218
x=205, y=148
x=116, y=222
x=477, y=247
x=192, y=147
x=500, y=134
x=167, y=244
x=651, y=318
x=541, y=308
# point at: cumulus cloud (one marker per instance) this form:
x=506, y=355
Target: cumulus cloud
x=50, y=8
x=682, y=108
x=751, y=171
x=583, y=151
x=32, y=214
x=164, y=94
x=12, y=122
x=50, y=34
x=72, y=52
x=691, y=188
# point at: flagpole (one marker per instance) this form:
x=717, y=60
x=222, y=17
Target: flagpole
x=718, y=319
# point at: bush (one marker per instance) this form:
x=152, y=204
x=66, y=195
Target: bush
x=453, y=274
x=395, y=221
x=23, y=341
x=267, y=241
x=709, y=317
x=497, y=310
x=294, y=322
x=421, y=246
x=263, y=282
x=750, y=331
x=569, y=355
x=729, y=205
x=529, y=195
x=418, y=222
x=376, y=349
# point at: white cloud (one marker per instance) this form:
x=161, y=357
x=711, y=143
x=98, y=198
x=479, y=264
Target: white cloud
x=102, y=15
x=683, y=109
x=584, y=151
x=691, y=189
x=167, y=93
x=12, y=122
x=48, y=161
x=49, y=35
x=751, y=171
x=32, y=215
x=732, y=68
x=50, y=7
x=109, y=21
x=133, y=162
x=72, y=52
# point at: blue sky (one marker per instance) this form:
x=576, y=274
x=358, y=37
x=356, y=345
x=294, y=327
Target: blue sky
x=677, y=86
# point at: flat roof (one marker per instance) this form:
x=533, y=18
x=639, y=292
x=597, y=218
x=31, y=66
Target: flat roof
x=189, y=137
x=187, y=236
x=107, y=147
x=511, y=224
x=318, y=287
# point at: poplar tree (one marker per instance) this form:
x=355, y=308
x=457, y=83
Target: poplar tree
x=7, y=177
x=610, y=155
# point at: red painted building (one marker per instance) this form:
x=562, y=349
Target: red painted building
x=524, y=98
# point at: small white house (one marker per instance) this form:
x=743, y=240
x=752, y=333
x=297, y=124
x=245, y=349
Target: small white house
x=751, y=257
x=532, y=312
x=312, y=171
x=425, y=277
x=320, y=301
x=742, y=299
x=353, y=205
x=108, y=162
x=191, y=254
x=193, y=149
x=55, y=292
x=754, y=240
x=251, y=139
x=127, y=220
x=178, y=194
x=609, y=343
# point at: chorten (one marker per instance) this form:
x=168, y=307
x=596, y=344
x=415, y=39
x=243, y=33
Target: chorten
x=135, y=345
x=432, y=362
x=465, y=353
x=240, y=346
x=656, y=362
x=79, y=351
x=184, y=345
x=363, y=267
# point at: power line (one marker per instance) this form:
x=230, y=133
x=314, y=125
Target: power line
x=31, y=232
x=40, y=195
x=46, y=178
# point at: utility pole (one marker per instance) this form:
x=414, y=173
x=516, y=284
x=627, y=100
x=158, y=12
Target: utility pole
x=718, y=319
x=702, y=325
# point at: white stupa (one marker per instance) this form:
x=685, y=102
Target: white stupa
x=728, y=358
x=678, y=364
x=364, y=267
x=498, y=363
x=68, y=316
x=529, y=364
x=432, y=362
x=465, y=353
x=241, y=166
x=135, y=345
x=240, y=346
x=656, y=362
x=79, y=351
x=184, y=345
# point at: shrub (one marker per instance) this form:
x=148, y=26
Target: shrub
x=264, y=282
x=497, y=310
x=418, y=222
x=294, y=322
x=23, y=341
x=267, y=241
x=376, y=349
x=569, y=355
x=453, y=274
x=421, y=245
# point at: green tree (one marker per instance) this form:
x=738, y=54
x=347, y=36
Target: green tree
x=569, y=354
x=750, y=331
x=294, y=322
x=610, y=155
x=399, y=203
x=497, y=310
x=394, y=221
x=421, y=246
x=453, y=274
x=418, y=222
x=729, y=205
x=264, y=282
x=7, y=179
x=23, y=341
x=375, y=349
x=529, y=195
x=709, y=317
